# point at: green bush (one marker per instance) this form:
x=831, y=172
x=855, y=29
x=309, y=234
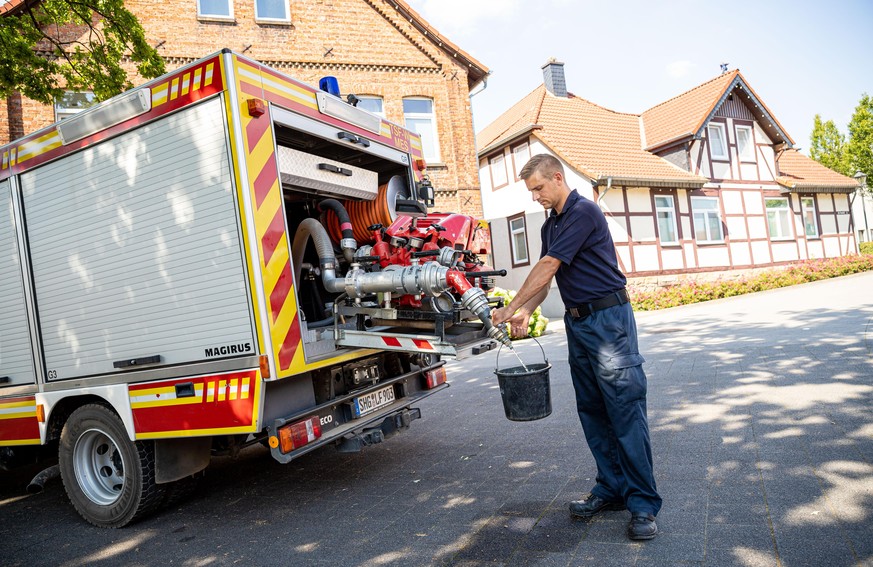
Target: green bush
x=801, y=272
x=866, y=247
x=537, y=324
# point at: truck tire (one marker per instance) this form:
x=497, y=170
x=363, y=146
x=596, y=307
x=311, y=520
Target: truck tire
x=109, y=479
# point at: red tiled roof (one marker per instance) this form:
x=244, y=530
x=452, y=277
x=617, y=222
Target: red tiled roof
x=683, y=115
x=799, y=173
x=9, y=5
x=598, y=142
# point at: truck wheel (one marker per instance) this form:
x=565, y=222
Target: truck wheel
x=109, y=478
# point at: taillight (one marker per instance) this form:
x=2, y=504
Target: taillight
x=299, y=434
x=435, y=377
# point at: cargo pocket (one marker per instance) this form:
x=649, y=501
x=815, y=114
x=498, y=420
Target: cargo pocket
x=624, y=372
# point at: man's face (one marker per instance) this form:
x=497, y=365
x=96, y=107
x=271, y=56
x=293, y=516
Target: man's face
x=544, y=190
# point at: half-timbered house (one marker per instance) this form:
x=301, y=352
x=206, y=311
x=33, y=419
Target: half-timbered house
x=707, y=184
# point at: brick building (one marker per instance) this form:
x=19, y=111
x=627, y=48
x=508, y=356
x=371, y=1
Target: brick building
x=382, y=51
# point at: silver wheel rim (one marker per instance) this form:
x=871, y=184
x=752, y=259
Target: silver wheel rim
x=99, y=467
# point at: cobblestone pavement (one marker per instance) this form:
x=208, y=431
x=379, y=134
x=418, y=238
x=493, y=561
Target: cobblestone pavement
x=762, y=430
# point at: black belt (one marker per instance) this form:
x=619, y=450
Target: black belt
x=611, y=300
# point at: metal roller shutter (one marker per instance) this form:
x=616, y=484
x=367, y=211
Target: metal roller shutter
x=16, y=351
x=136, y=250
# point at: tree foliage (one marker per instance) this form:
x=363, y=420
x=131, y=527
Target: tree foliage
x=859, y=148
x=51, y=46
x=827, y=145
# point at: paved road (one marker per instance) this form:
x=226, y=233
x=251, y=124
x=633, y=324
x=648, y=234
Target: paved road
x=760, y=408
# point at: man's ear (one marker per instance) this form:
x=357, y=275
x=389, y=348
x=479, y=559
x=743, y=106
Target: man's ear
x=558, y=177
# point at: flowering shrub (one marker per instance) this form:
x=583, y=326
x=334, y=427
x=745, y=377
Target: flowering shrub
x=801, y=272
x=866, y=247
x=537, y=324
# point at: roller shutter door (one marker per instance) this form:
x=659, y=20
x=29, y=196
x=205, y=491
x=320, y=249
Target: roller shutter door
x=136, y=251
x=16, y=352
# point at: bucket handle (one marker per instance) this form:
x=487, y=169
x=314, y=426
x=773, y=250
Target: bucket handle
x=497, y=361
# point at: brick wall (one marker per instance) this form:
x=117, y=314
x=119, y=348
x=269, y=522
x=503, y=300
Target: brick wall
x=364, y=43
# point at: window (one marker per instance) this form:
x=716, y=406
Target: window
x=745, y=143
x=717, y=142
x=418, y=116
x=666, y=219
x=778, y=217
x=518, y=241
x=707, y=224
x=809, y=223
x=520, y=156
x=215, y=9
x=274, y=10
x=72, y=103
x=498, y=171
x=371, y=104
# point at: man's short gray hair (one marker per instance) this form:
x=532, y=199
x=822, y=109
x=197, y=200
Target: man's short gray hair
x=544, y=164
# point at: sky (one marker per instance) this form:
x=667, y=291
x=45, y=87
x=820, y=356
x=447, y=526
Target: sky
x=802, y=58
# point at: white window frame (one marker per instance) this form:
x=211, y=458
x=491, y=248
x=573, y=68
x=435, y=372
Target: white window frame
x=520, y=156
x=380, y=113
x=707, y=213
x=497, y=165
x=749, y=153
x=431, y=116
x=670, y=212
x=206, y=16
x=807, y=206
x=62, y=112
x=722, y=148
x=782, y=217
x=517, y=259
x=284, y=19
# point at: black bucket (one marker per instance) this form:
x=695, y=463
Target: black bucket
x=525, y=390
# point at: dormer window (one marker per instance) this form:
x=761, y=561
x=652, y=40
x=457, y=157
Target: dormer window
x=717, y=141
x=745, y=143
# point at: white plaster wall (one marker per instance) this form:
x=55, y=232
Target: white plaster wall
x=682, y=197
x=760, y=252
x=828, y=225
x=754, y=204
x=672, y=258
x=617, y=228
x=862, y=213
x=639, y=201
x=713, y=257
x=733, y=202
x=643, y=229
x=736, y=228
x=740, y=254
x=824, y=203
x=646, y=258
x=832, y=247
x=815, y=248
x=721, y=170
x=785, y=251
x=624, y=258
x=687, y=232
x=843, y=220
x=758, y=227
x=749, y=171
x=689, y=254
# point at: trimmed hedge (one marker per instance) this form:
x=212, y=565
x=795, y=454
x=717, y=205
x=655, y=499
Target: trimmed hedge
x=801, y=272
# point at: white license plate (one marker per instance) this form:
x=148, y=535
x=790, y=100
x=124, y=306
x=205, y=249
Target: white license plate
x=363, y=405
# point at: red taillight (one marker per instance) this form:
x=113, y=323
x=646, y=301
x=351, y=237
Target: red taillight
x=420, y=164
x=299, y=434
x=435, y=377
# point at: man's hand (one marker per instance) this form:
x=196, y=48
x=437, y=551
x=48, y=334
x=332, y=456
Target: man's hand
x=518, y=322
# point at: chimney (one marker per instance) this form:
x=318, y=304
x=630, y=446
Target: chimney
x=553, y=77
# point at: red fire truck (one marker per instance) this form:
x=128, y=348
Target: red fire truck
x=220, y=257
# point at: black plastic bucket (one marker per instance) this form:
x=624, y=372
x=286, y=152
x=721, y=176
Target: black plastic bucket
x=525, y=390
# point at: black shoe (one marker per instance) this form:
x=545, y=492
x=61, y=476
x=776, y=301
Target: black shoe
x=642, y=526
x=593, y=505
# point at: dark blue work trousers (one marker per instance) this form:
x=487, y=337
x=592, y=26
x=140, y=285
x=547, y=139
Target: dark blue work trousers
x=610, y=385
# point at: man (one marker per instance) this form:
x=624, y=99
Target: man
x=605, y=363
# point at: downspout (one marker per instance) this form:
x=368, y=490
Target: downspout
x=608, y=187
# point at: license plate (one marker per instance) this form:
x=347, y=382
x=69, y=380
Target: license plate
x=363, y=405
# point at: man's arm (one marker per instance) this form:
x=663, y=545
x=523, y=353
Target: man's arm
x=533, y=292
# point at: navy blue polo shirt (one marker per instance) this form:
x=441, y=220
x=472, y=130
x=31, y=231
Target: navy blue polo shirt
x=579, y=237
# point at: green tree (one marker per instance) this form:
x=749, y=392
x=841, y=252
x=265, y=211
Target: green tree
x=859, y=149
x=51, y=46
x=828, y=145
